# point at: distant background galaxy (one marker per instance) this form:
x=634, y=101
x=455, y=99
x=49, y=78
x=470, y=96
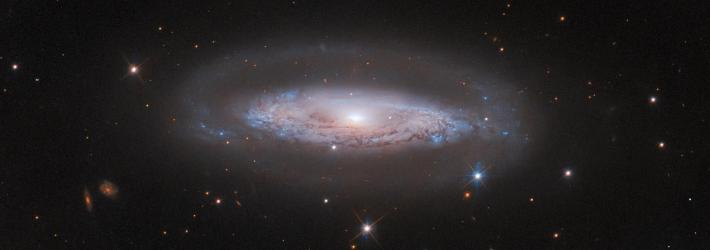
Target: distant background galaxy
x=354, y=125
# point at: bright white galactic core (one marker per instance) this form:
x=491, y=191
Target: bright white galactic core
x=352, y=99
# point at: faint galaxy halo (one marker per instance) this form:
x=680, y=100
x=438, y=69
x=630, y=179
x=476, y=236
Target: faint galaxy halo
x=220, y=99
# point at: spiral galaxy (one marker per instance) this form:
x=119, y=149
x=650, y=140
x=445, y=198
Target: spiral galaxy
x=346, y=98
x=367, y=119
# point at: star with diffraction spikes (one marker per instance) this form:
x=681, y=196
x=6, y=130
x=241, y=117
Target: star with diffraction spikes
x=367, y=228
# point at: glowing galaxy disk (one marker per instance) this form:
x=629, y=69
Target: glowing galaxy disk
x=365, y=120
x=343, y=98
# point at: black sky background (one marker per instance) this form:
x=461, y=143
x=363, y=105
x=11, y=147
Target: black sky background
x=625, y=193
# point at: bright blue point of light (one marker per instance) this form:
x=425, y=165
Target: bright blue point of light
x=437, y=138
x=485, y=98
x=202, y=125
x=221, y=133
x=504, y=133
x=477, y=176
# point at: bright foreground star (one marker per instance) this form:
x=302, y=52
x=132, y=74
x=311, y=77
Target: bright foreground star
x=367, y=228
